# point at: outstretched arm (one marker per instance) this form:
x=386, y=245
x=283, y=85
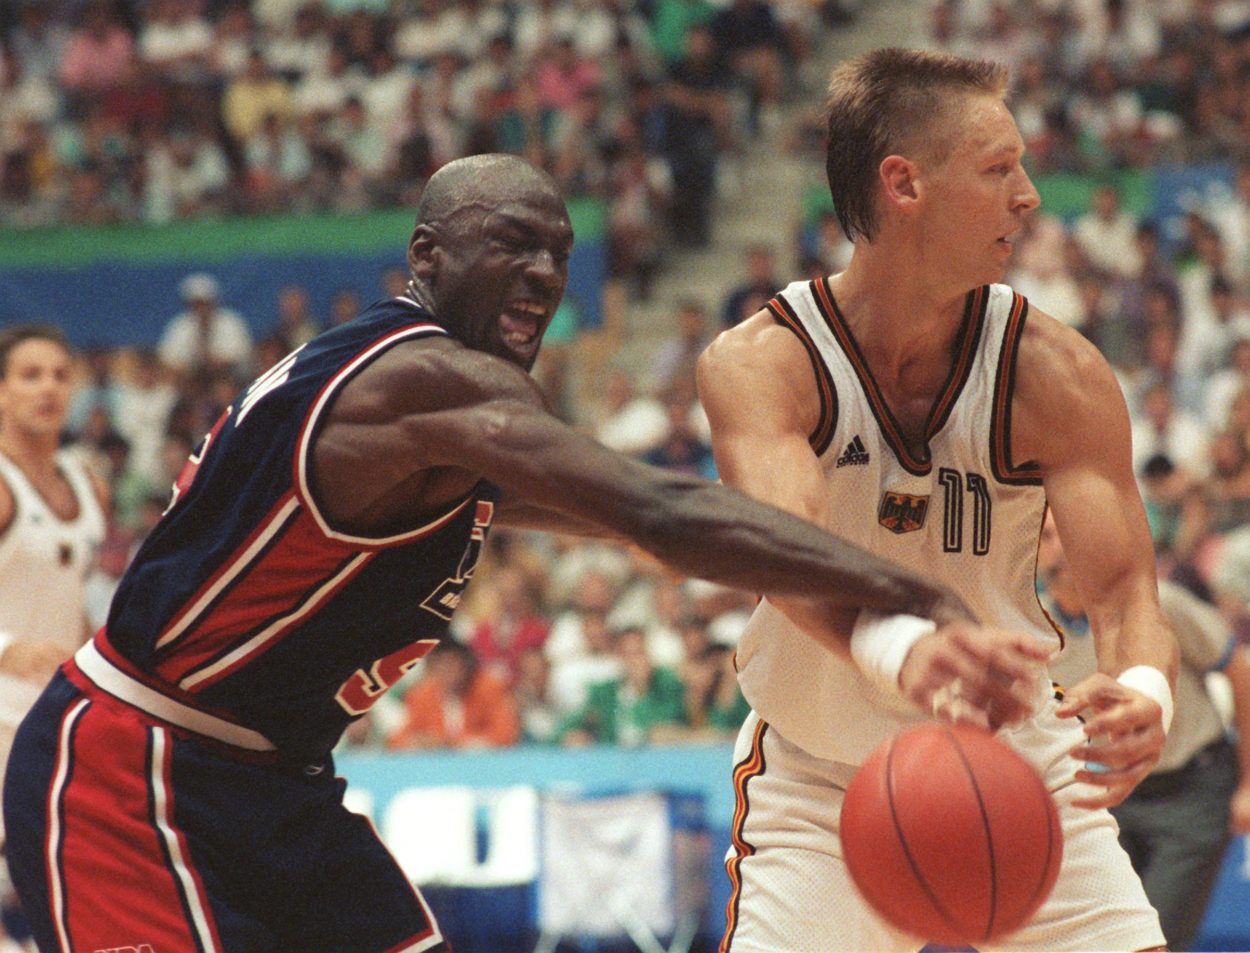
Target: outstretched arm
x=427, y=414
x=1069, y=416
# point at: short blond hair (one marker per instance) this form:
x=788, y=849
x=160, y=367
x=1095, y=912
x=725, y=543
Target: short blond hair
x=882, y=103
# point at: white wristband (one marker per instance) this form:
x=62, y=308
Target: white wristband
x=880, y=643
x=1153, y=684
x=5, y=641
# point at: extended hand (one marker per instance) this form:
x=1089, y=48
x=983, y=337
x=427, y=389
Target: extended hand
x=1124, y=732
x=973, y=673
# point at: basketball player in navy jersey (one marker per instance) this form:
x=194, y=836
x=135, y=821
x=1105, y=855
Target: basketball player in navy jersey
x=915, y=407
x=173, y=787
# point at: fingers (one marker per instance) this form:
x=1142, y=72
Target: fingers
x=965, y=672
x=1124, y=737
x=1099, y=690
x=1115, y=785
x=948, y=703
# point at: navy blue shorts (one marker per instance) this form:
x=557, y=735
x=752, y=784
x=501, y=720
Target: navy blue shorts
x=124, y=832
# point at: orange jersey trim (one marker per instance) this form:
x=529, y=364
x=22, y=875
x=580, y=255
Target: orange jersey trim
x=752, y=767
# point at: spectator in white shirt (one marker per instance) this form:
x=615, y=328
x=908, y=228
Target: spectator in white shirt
x=1223, y=387
x=630, y=422
x=206, y=337
x=1161, y=428
x=1107, y=234
x=176, y=42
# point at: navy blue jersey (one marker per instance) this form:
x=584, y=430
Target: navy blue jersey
x=245, y=602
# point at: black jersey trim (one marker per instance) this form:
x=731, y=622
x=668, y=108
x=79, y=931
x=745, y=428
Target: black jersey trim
x=1029, y=472
x=822, y=435
x=967, y=340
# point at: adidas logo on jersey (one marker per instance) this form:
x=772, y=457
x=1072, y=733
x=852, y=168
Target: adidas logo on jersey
x=853, y=455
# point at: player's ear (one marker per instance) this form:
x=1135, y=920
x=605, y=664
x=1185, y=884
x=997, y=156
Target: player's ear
x=898, y=179
x=424, y=253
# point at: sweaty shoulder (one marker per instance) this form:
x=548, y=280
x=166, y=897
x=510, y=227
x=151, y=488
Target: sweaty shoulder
x=1063, y=385
x=429, y=375
x=764, y=360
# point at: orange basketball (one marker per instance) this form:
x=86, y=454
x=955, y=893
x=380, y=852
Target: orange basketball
x=950, y=834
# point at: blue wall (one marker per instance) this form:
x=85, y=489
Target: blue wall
x=127, y=303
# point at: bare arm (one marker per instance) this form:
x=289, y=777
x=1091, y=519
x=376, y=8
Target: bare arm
x=762, y=447
x=427, y=413
x=522, y=515
x=1070, y=417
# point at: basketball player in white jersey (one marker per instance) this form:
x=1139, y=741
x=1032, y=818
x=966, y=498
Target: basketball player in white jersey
x=915, y=407
x=52, y=521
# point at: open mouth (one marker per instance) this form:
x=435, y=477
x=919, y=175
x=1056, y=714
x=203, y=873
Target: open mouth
x=521, y=324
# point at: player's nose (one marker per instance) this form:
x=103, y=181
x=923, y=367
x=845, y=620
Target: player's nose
x=542, y=268
x=1026, y=197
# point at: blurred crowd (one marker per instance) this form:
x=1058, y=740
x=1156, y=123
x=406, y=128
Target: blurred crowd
x=151, y=110
x=1114, y=83
x=176, y=108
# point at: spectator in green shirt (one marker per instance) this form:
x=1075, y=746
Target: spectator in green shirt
x=626, y=710
x=670, y=19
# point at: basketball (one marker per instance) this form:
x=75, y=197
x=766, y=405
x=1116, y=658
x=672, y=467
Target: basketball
x=951, y=835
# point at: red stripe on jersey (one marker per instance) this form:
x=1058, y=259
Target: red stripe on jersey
x=56, y=821
x=119, y=890
x=244, y=555
x=275, y=582
x=223, y=665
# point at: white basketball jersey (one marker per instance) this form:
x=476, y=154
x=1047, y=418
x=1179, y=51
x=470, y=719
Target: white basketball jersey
x=964, y=514
x=45, y=560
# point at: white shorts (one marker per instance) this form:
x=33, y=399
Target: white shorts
x=792, y=891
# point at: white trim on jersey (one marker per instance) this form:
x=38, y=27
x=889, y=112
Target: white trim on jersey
x=310, y=426
x=117, y=683
x=56, y=896
x=232, y=572
x=162, y=811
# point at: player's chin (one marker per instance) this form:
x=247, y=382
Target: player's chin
x=996, y=270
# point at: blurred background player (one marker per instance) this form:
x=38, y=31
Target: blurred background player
x=52, y=522
x=1176, y=824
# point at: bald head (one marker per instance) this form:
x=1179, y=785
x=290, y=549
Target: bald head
x=489, y=255
x=483, y=182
